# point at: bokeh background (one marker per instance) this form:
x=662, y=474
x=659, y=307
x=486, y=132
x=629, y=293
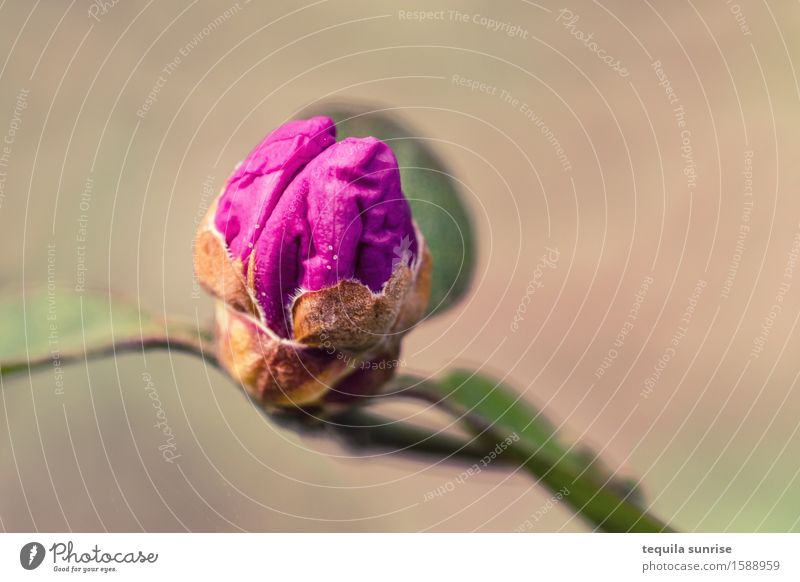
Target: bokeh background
x=664, y=176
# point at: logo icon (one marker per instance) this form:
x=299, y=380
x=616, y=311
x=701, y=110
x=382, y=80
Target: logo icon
x=31, y=555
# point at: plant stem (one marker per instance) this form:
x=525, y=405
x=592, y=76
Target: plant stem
x=602, y=504
x=364, y=430
x=183, y=343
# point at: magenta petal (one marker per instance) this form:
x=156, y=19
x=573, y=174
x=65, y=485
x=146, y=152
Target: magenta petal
x=256, y=186
x=343, y=216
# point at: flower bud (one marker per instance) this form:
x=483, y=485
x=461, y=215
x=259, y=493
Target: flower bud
x=317, y=263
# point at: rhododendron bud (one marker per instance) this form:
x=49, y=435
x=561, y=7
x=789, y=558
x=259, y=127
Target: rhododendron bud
x=317, y=263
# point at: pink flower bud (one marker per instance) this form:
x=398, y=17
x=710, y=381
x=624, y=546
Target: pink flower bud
x=314, y=255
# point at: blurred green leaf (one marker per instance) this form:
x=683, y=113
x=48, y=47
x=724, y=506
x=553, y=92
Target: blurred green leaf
x=494, y=413
x=435, y=197
x=53, y=325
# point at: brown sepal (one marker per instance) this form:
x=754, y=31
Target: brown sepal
x=350, y=318
x=216, y=270
x=274, y=372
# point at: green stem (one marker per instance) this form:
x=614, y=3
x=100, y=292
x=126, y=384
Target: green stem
x=184, y=343
x=606, y=506
x=602, y=504
x=359, y=429
x=365, y=431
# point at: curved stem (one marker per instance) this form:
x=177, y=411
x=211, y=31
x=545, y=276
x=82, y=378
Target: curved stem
x=183, y=343
x=363, y=430
x=357, y=428
x=598, y=499
x=601, y=501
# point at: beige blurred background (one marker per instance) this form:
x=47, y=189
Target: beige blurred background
x=555, y=148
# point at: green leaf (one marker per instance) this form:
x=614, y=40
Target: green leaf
x=435, y=197
x=495, y=414
x=53, y=326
